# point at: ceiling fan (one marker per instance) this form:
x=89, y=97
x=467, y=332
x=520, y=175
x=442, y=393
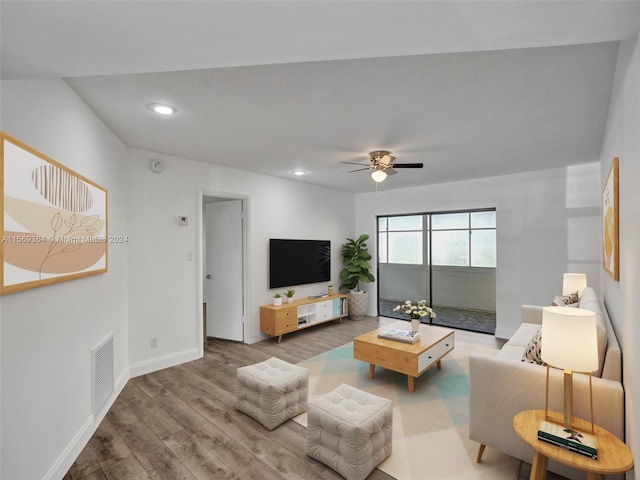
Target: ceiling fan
x=382, y=165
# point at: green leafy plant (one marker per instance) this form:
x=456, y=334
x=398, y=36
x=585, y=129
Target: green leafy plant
x=289, y=293
x=356, y=264
x=277, y=295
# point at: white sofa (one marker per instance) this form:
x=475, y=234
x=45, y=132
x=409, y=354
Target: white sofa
x=503, y=385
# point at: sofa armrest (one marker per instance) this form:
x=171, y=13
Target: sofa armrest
x=531, y=314
x=501, y=388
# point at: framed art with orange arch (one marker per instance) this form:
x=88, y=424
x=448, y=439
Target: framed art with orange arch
x=54, y=222
x=610, y=227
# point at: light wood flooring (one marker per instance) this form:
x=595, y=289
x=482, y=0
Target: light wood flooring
x=181, y=422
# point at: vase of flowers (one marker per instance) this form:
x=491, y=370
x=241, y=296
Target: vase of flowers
x=415, y=312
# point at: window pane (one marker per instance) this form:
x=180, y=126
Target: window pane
x=450, y=248
x=483, y=219
x=409, y=222
x=382, y=247
x=382, y=224
x=483, y=248
x=405, y=247
x=446, y=221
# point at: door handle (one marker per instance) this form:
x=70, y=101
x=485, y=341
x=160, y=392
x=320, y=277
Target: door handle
x=208, y=277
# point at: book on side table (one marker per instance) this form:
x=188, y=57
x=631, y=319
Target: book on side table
x=400, y=335
x=573, y=440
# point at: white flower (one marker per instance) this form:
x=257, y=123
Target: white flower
x=415, y=311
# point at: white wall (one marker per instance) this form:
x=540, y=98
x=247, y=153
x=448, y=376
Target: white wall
x=171, y=309
x=548, y=223
x=47, y=333
x=621, y=298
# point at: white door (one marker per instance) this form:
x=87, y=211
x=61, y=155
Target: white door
x=223, y=283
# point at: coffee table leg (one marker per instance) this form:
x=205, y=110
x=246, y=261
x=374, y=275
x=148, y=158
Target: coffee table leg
x=372, y=368
x=411, y=383
x=439, y=364
x=539, y=467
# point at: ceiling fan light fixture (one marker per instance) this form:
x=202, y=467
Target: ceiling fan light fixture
x=379, y=175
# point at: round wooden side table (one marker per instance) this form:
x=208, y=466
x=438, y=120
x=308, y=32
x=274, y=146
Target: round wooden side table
x=613, y=455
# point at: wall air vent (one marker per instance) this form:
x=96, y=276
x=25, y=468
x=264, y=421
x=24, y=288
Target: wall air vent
x=102, y=376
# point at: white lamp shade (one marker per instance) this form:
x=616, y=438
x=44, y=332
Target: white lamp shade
x=379, y=175
x=573, y=282
x=569, y=339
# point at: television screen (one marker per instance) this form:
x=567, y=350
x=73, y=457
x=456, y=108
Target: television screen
x=296, y=262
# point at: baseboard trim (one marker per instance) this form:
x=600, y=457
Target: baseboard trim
x=80, y=440
x=171, y=360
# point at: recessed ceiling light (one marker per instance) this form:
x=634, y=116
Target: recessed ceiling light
x=299, y=172
x=162, y=109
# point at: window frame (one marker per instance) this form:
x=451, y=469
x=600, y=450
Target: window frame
x=427, y=230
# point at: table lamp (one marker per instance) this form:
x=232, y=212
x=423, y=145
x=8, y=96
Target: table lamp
x=573, y=282
x=569, y=342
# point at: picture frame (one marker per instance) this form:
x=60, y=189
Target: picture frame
x=54, y=222
x=610, y=226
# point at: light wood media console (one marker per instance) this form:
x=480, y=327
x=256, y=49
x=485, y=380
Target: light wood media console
x=302, y=313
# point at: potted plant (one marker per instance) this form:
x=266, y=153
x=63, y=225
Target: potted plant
x=277, y=300
x=289, y=294
x=356, y=258
x=415, y=312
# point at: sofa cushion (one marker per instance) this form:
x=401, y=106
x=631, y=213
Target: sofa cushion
x=512, y=350
x=532, y=351
x=566, y=300
x=523, y=336
x=589, y=301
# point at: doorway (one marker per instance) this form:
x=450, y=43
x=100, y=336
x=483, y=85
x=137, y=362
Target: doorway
x=223, y=267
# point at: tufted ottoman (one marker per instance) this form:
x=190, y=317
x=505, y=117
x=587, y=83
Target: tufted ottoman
x=350, y=431
x=272, y=391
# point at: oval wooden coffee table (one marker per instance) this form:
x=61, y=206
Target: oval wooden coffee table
x=411, y=359
x=613, y=455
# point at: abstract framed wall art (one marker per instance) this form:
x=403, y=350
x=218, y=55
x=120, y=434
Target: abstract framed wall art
x=54, y=222
x=610, y=228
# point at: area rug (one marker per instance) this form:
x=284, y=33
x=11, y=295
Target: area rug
x=430, y=426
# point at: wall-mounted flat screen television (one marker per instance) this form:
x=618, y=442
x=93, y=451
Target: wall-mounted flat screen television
x=297, y=262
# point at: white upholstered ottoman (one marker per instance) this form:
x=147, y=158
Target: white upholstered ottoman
x=272, y=391
x=350, y=431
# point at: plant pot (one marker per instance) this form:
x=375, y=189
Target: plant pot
x=289, y=299
x=277, y=302
x=357, y=305
x=415, y=325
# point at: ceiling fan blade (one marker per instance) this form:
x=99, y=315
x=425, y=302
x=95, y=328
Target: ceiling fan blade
x=407, y=165
x=390, y=171
x=359, y=169
x=354, y=163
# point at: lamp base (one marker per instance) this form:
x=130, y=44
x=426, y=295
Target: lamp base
x=567, y=420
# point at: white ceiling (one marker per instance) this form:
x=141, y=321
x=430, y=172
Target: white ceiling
x=470, y=89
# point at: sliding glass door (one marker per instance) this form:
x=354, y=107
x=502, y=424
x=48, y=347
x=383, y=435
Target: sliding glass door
x=445, y=258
